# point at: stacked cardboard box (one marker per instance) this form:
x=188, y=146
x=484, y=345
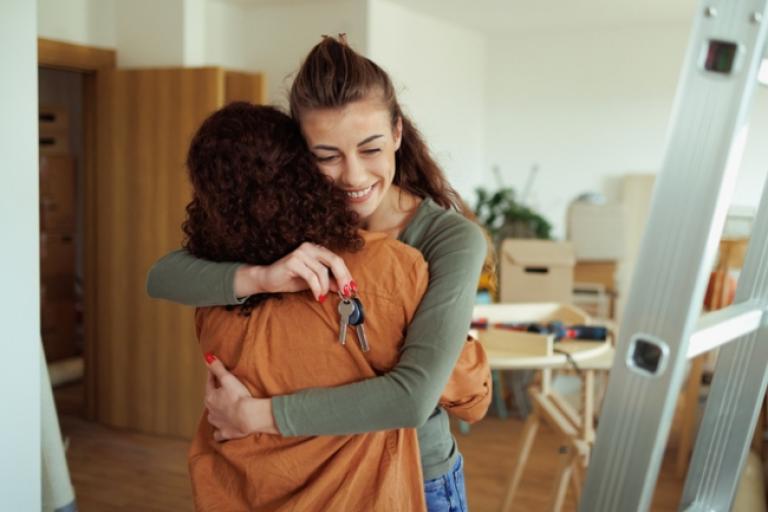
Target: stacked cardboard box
x=597, y=232
x=536, y=271
x=595, y=287
x=57, y=239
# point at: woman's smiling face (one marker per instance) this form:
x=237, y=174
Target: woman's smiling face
x=355, y=146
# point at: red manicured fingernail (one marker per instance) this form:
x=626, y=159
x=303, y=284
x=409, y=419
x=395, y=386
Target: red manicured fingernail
x=353, y=286
x=209, y=357
x=346, y=290
x=322, y=298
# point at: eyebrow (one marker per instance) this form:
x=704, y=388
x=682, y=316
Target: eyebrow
x=361, y=143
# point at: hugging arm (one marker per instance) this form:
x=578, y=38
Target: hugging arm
x=183, y=278
x=408, y=394
x=180, y=277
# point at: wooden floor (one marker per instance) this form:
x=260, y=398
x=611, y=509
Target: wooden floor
x=120, y=471
x=490, y=451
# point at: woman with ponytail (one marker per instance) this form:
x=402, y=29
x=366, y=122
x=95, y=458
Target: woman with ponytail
x=360, y=138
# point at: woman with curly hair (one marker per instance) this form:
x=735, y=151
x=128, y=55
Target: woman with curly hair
x=257, y=197
x=361, y=139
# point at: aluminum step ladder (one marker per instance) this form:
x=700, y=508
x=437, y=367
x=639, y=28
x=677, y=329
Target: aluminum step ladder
x=662, y=328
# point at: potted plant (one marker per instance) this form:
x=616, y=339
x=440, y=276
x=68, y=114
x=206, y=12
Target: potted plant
x=505, y=217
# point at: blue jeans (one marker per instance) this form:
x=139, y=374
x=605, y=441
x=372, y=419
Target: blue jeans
x=447, y=493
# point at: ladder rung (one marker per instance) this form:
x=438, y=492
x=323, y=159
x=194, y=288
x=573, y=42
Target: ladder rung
x=725, y=325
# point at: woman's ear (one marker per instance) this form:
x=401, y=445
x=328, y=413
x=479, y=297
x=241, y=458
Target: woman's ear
x=397, y=132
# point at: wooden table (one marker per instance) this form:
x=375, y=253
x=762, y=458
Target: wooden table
x=513, y=350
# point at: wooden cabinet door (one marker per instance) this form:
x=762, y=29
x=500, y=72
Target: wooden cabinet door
x=150, y=372
x=242, y=86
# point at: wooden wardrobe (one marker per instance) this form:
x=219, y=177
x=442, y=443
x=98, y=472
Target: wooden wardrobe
x=144, y=362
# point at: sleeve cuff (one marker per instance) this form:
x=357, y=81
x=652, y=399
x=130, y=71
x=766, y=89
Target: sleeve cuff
x=229, y=286
x=280, y=416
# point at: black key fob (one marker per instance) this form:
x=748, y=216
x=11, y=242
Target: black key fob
x=358, y=317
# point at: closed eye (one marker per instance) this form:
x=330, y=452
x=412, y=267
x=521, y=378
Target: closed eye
x=371, y=151
x=323, y=159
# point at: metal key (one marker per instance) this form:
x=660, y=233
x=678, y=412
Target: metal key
x=346, y=310
x=357, y=320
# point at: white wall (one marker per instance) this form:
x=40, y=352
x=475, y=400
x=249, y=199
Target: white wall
x=149, y=33
x=754, y=168
x=278, y=36
x=225, y=37
x=144, y=32
x=88, y=22
x=195, y=32
x=589, y=105
x=439, y=72
x=582, y=105
x=20, y=278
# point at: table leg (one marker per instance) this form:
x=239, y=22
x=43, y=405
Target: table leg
x=498, y=394
x=529, y=434
x=576, y=479
x=690, y=413
x=588, y=406
x=567, y=461
x=521, y=380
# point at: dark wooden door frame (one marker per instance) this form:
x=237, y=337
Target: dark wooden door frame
x=89, y=61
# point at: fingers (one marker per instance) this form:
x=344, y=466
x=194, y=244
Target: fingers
x=215, y=367
x=308, y=267
x=321, y=272
x=221, y=435
x=303, y=270
x=335, y=263
x=210, y=383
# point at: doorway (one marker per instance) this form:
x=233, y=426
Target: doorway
x=67, y=75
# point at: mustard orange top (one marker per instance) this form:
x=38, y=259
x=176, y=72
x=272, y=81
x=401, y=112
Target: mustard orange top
x=290, y=343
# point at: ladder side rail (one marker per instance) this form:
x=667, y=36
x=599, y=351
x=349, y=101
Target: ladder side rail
x=704, y=147
x=736, y=392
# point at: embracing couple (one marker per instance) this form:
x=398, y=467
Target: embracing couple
x=291, y=215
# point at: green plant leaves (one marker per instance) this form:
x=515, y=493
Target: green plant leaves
x=499, y=210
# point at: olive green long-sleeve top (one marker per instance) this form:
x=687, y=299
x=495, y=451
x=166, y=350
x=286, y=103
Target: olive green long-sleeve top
x=407, y=396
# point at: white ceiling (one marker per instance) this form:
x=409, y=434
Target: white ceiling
x=499, y=16
x=503, y=16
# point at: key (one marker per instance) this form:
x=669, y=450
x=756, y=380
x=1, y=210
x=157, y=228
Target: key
x=346, y=310
x=357, y=320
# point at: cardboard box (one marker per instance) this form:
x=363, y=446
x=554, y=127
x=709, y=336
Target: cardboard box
x=58, y=329
x=598, y=272
x=52, y=119
x=536, y=271
x=53, y=129
x=597, y=231
x=53, y=144
x=57, y=254
x=57, y=194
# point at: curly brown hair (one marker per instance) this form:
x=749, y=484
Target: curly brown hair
x=257, y=192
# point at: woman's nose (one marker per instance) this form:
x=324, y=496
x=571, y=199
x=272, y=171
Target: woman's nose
x=354, y=172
